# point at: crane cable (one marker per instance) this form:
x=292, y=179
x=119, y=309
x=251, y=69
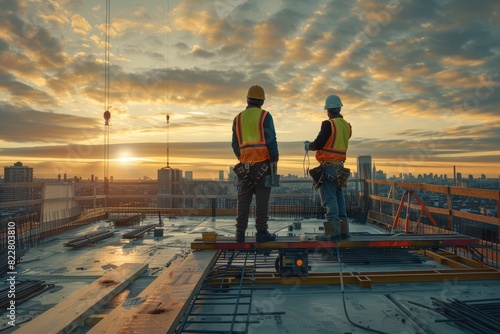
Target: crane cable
x=106, y=98
x=106, y=55
x=167, y=79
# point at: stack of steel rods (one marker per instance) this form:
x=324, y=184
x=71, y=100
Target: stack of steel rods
x=478, y=316
x=90, y=238
x=138, y=232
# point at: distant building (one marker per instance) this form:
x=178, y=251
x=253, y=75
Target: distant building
x=221, y=175
x=17, y=174
x=189, y=189
x=169, y=185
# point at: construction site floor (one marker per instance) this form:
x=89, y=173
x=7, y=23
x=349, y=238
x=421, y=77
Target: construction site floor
x=294, y=307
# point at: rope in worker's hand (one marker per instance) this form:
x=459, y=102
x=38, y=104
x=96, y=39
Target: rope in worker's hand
x=306, y=163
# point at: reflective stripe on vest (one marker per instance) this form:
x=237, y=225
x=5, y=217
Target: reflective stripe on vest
x=336, y=146
x=251, y=136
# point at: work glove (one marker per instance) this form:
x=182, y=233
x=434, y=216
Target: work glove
x=306, y=145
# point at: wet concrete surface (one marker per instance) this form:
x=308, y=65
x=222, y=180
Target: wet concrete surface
x=300, y=308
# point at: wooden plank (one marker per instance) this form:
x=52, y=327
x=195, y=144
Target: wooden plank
x=474, y=192
x=72, y=312
x=164, y=299
x=476, y=217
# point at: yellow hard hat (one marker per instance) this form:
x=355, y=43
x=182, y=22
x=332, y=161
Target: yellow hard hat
x=256, y=92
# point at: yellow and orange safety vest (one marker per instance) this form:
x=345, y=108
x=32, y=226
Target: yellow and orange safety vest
x=336, y=146
x=251, y=135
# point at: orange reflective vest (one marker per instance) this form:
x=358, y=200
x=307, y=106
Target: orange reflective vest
x=336, y=146
x=251, y=136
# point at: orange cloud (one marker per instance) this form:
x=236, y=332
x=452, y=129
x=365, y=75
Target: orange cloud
x=80, y=25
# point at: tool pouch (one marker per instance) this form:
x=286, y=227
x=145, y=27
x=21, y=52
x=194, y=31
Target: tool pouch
x=345, y=173
x=242, y=175
x=317, y=176
x=273, y=179
x=239, y=170
x=342, y=174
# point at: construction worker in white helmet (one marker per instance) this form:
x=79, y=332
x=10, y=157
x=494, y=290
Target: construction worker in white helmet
x=254, y=144
x=331, y=148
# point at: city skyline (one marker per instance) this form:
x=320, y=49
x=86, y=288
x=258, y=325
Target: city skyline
x=191, y=174
x=419, y=82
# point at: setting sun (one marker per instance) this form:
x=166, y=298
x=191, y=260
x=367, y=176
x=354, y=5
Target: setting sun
x=127, y=159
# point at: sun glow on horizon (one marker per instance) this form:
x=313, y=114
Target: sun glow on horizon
x=131, y=160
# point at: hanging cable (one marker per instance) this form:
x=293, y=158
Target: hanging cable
x=107, y=114
x=168, y=57
x=167, y=83
x=106, y=55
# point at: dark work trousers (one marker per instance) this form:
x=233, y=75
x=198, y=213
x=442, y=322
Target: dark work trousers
x=245, y=196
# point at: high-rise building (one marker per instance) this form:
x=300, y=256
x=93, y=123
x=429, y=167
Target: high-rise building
x=221, y=175
x=18, y=174
x=365, y=170
x=365, y=166
x=170, y=184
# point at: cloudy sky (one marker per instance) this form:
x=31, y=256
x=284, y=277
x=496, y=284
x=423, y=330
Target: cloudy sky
x=420, y=82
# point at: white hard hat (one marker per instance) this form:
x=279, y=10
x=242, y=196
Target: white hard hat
x=333, y=101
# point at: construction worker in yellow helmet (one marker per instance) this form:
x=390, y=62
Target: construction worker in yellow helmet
x=254, y=144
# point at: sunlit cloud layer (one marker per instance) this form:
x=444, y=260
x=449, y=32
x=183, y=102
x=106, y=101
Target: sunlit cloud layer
x=419, y=81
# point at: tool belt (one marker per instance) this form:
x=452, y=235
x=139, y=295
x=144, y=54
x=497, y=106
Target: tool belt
x=332, y=163
x=242, y=171
x=319, y=174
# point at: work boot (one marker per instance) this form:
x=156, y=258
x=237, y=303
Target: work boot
x=332, y=231
x=263, y=236
x=240, y=236
x=344, y=229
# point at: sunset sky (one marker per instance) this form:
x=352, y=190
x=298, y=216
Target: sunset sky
x=420, y=82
